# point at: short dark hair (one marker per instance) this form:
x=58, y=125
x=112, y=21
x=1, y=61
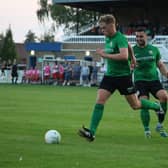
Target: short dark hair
x=141, y=29
x=147, y=31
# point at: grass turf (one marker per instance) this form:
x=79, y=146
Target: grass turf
x=28, y=111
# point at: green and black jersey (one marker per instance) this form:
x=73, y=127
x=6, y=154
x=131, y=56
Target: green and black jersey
x=112, y=46
x=147, y=59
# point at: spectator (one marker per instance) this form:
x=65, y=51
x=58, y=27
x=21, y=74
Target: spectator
x=55, y=73
x=76, y=71
x=3, y=68
x=94, y=75
x=14, y=72
x=68, y=73
x=47, y=72
x=61, y=73
x=85, y=75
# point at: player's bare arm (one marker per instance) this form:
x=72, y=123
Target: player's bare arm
x=162, y=68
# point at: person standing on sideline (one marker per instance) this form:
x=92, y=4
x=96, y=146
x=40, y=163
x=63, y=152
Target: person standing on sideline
x=147, y=80
x=47, y=73
x=117, y=76
x=85, y=74
x=68, y=74
x=55, y=73
x=94, y=75
x=14, y=72
x=61, y=73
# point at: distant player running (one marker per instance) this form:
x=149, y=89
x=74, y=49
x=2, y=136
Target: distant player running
x=117, y=76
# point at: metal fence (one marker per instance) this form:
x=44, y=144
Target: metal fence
x=159, y=39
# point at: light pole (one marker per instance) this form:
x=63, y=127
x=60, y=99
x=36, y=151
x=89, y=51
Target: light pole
x=87, y=53
x=32, y=60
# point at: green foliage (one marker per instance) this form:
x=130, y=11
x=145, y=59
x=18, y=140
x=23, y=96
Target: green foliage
x=69, y=17
x=43, y=11
x=47, y=37
x=1, y=44
x=8, y=51
x=30, y=37
x=27, y=112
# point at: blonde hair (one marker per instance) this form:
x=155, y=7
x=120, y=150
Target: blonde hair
x=107, y=19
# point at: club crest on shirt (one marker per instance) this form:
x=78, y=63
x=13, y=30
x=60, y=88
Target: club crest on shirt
x=131, y=89
x=150, y=52
x=111, y=44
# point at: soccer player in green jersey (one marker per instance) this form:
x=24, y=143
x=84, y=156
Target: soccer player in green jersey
x=117, y=76
x=146, y=79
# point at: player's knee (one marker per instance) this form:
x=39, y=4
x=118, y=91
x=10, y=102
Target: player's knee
x=101, y=101
x=164, y=98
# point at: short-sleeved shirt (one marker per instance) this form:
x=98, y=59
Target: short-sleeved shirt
x=112, y=46
x=147, y=59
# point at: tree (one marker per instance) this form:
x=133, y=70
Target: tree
x=47, y=37
x=8, y=47
x=1, y=44
x=69, y=17
x=30, y=37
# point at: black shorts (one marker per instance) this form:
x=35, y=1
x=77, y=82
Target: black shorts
x=124, y=84
x=145, y=87
x=14, y=74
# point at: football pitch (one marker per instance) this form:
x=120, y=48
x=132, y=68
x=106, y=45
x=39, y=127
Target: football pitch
x=28, y=111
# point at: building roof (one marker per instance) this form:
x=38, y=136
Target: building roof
x=106, y=6
x=45, y=46
x=21, y=51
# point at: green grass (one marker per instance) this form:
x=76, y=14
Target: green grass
x=28, y=111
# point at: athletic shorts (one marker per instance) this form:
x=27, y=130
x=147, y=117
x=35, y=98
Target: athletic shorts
x=61, y=76
x=55, y=75
x=14, y=74
x=123, y=84
x=145, y=87
x=46, y=77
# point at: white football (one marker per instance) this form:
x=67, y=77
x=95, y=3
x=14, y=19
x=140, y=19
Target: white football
x=52, y=136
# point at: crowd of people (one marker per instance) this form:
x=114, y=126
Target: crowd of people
x=12, y=67
x=76, y=73
x=64, y=73
x=155, y=28
x=71, y=73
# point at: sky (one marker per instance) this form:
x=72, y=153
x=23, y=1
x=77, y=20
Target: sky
x=21, y=16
